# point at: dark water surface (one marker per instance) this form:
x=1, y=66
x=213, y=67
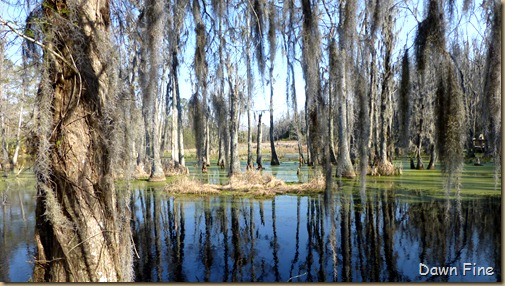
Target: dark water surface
x=382, y=235
x=378, y=237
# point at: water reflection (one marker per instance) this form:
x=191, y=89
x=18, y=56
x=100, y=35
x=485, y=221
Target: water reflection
x=378, y=237
x=17, y=225
x=341, y=235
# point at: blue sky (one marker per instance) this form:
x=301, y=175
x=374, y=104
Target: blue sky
x=405, y=27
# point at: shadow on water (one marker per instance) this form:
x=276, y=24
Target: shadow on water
x=343, y=234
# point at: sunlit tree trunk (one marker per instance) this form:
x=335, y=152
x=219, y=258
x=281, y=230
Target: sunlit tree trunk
x=234, y=98
x=259, y=135
x=18, y=140
x=346, y=29
x=385, y=167
x=82, y=231
x=344, y=165
x=175, y=116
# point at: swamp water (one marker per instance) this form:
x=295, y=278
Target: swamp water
x=380, y=235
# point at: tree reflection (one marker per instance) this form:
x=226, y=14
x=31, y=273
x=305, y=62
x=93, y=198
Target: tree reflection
x=347, y=236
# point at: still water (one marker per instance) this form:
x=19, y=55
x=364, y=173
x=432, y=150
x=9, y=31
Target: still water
x=380, y=235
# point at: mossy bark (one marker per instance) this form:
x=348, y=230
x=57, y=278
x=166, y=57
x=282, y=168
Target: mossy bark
x=82, y=229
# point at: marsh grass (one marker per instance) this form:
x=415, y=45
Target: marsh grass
x=247, y=183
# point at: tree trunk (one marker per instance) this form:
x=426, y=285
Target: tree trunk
x=295, y=113
x=431, y=164
x=274, y=161
x=82, y=228
x=385, y=167
x=18, y=140
x=259, y=136
x=331, y=94
x=250, y=86
x=344, y=165
x=5, y=155
x=420, y=165
x=307, y=134
x=175, y=116
x=155, y=22
x=234, y=160
x=177, y=96
x=207, y=140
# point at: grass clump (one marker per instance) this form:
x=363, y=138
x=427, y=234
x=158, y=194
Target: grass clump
x=185, y=185
x=247, y=183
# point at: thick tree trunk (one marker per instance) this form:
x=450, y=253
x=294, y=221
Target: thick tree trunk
x=431, y=164
x=82, y=228
x=344, y=165
x=385, y=167
x=155, y=22
x=201, y=71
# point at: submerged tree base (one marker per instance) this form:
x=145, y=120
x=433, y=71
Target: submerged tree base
x=251, y=182
x=384, y=169
x=173, y=168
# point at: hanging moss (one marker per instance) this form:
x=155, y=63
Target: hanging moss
x=492, y=81
x=404, y=100
x=257, y=31
x=450, y=135
x=430, y=34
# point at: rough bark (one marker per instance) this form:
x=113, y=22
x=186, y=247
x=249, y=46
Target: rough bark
x=385, y=166
x=82, y=227
x=346, y=30
x=344, y=165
